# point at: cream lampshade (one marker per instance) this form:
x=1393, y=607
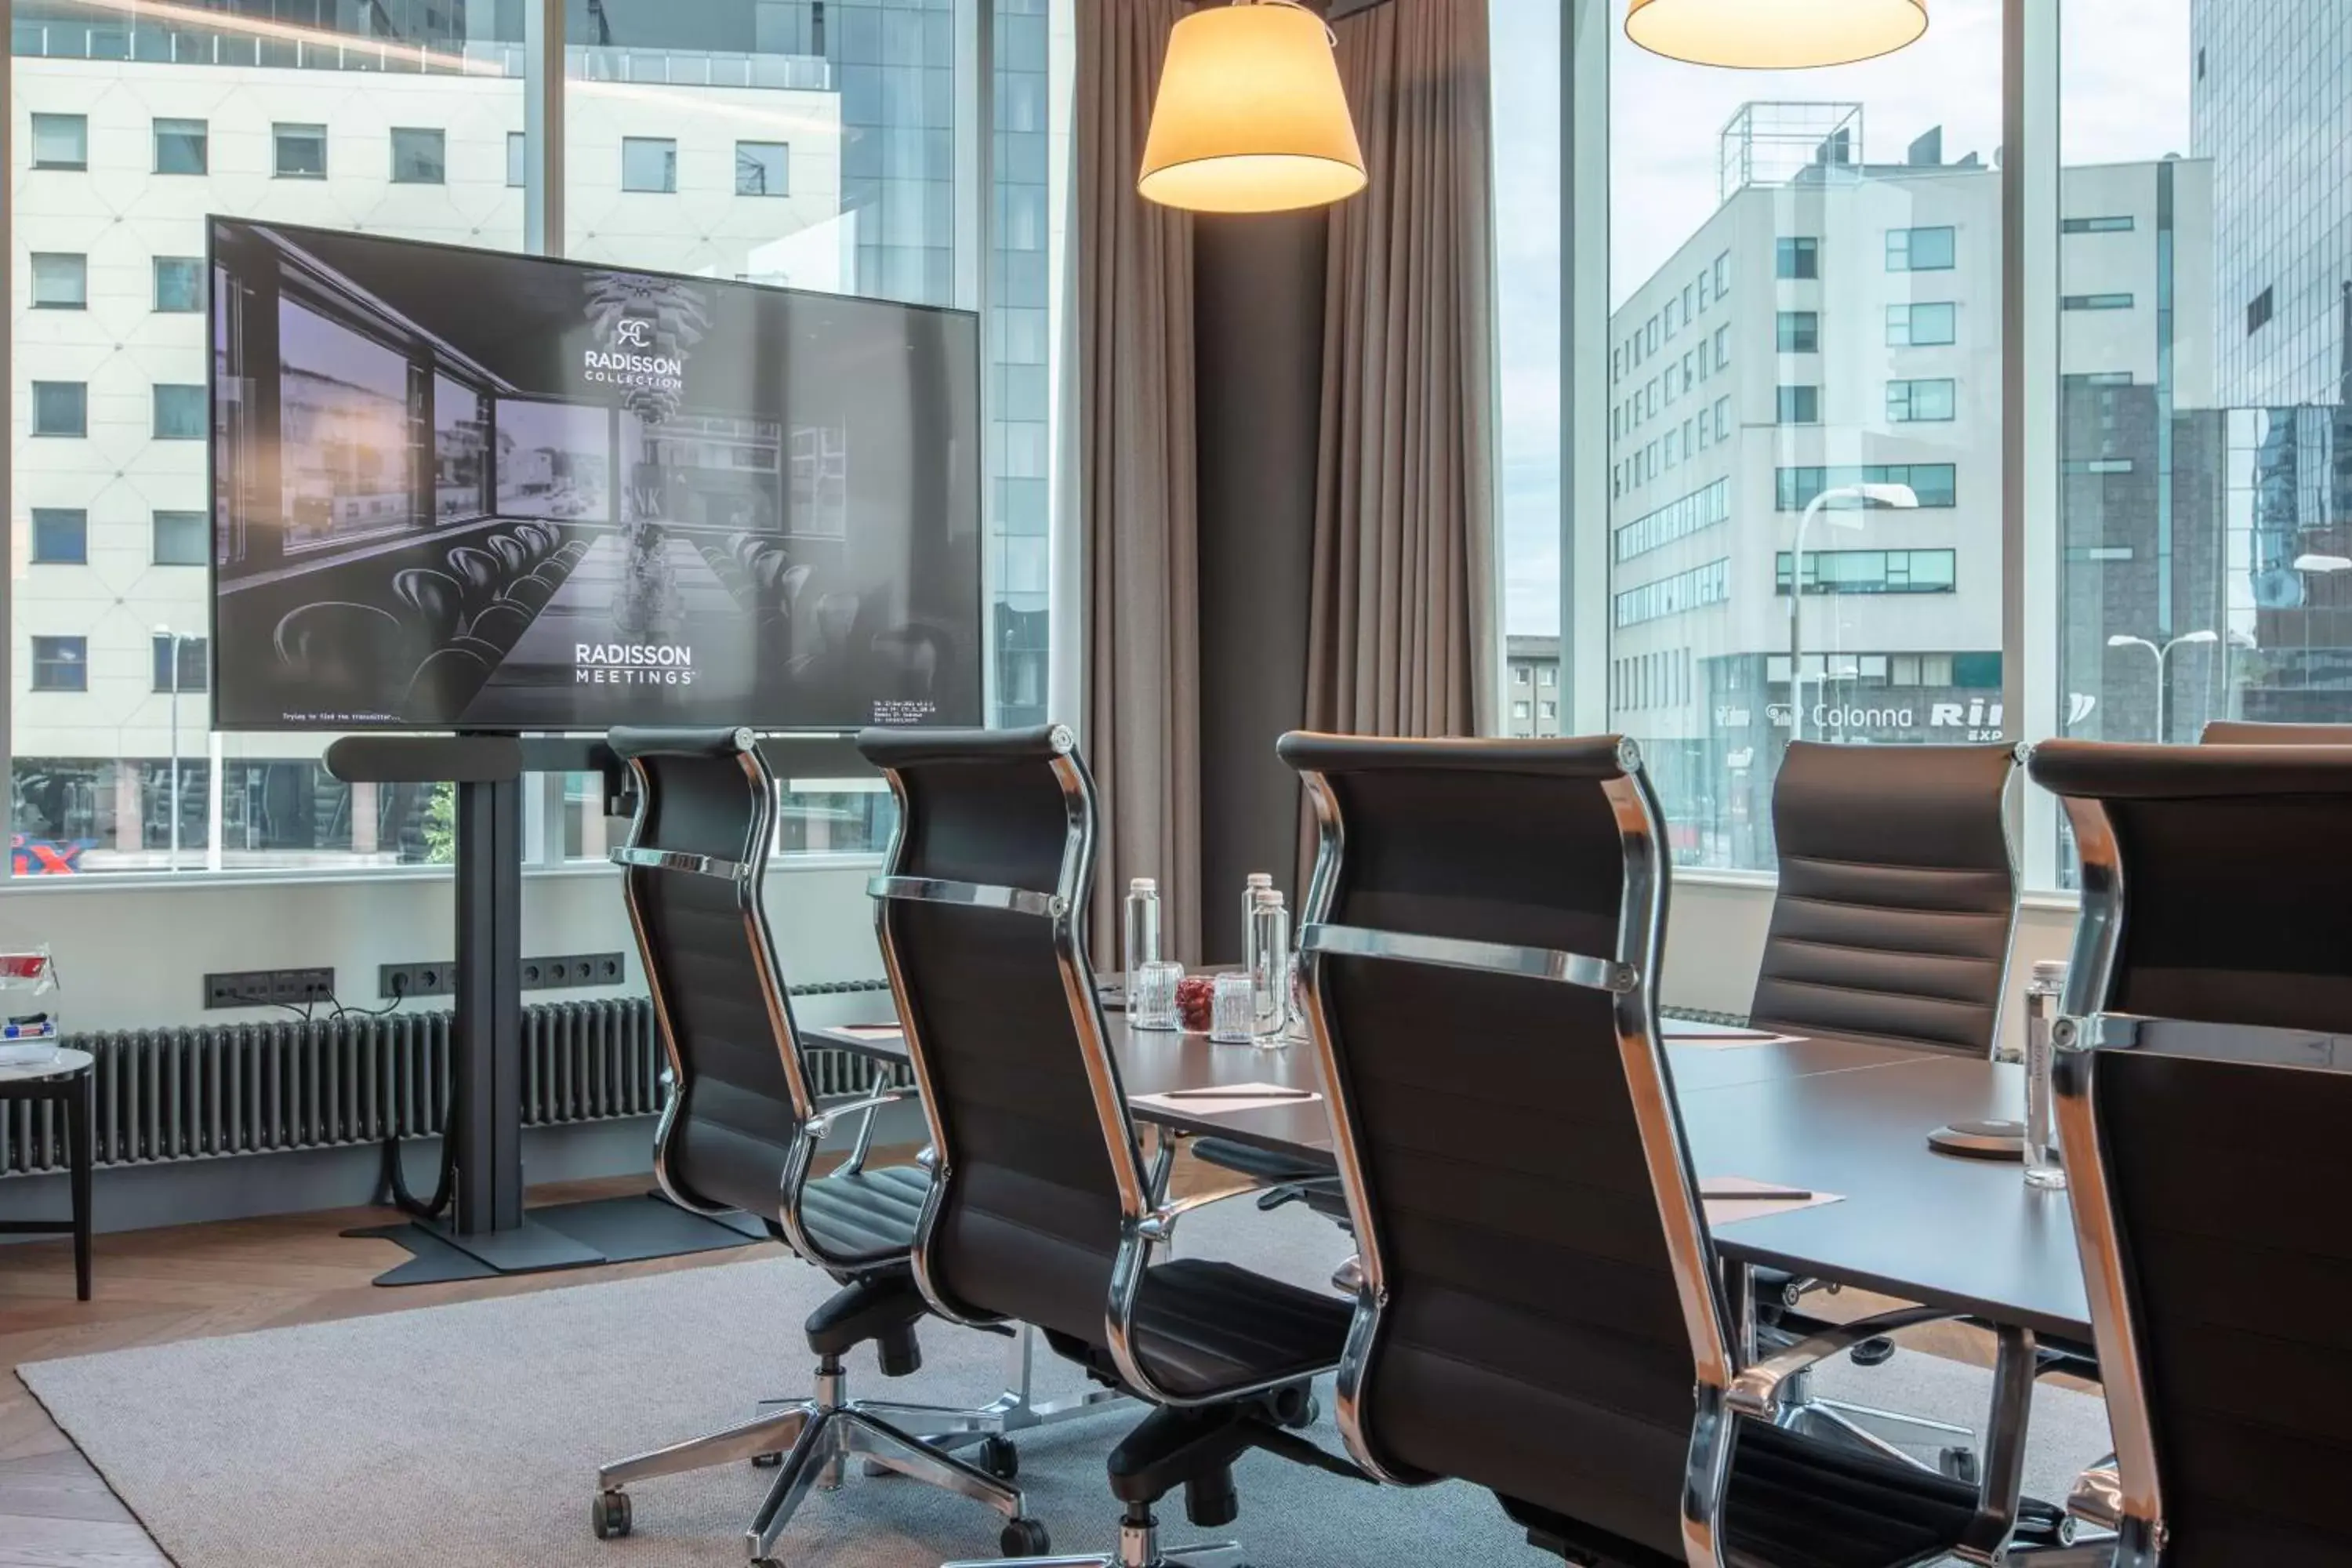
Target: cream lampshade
x=1774, y=35
x=1251, y=117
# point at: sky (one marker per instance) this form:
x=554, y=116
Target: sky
x=2123, y=94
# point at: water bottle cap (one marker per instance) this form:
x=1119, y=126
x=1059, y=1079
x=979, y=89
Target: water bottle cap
x=1265, y=897
x=2049, y=971
x=1261, y=879
x=1142, y=885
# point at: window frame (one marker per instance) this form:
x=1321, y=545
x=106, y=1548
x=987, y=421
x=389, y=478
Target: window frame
x=36, y=555
x=33, y=142
x=80, y=259
x=203, y=136
x=439, y=141
x=278, y=131
x=46, y=653
x=668, y=153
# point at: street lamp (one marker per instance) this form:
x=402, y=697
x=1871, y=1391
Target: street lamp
x=1901, y=497
x=173, y=640
x=2124, y=639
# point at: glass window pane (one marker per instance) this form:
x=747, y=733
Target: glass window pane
x=300, y=151
x=419, y=157
x=181, y=413
x=181, y=147
x=179, y=283
x=60, y=408
x=60, y=142
x=60, y=535
x=518, y=159
x=183, y=538
x=60, y=664
x=1855, y=216
x=61, y=281
x=762, y=169
x=649, y=163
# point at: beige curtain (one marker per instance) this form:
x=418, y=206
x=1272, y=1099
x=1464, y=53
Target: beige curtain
x=1136, y=484
x=1401, y=632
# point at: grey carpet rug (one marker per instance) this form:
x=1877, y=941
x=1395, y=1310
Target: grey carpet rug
x=468, y=1436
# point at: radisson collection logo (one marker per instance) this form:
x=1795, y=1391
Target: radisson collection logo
x=631, y=664
x=627, y=364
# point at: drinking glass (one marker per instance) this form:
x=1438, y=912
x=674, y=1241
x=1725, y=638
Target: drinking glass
x=1151, y=996
x=1232, y=1010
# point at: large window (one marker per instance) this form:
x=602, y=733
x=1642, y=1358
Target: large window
x=60, y=536
x=1835, y=519
x=821, y=147
x=61, y=281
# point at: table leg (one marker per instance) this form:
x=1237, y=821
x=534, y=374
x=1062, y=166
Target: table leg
x=79, y=1156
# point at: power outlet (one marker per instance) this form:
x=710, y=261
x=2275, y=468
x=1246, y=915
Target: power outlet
x=268, y=987
x=575, y=969
x=406, y=981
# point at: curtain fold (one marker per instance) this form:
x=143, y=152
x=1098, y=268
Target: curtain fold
x=1401, y=631
x=1137, y=484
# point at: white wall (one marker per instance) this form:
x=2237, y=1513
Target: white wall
x=134, y=953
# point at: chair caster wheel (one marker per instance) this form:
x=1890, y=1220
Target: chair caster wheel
x=1306, y=1416
x=1000, y=1458
x=766, y=1461
x=1958, y=1463
x=1872, y=1353
x=1023, y=1538
x=609, y=1515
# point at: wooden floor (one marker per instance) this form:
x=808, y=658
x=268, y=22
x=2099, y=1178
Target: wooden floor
x=185, y=1282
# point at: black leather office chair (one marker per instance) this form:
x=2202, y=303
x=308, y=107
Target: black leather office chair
x=1898, y=897
x=2202, y=1095
x=1541, y=1294
x=741, y=1130
x=1044, y=1209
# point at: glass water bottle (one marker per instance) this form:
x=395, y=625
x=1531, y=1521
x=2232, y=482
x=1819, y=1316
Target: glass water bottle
x=2044, y=1166
x=1269, y=970
x=1141, y=942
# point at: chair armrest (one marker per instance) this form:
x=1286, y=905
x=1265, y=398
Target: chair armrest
x=1756, y=1391
x=822, y=1123
x=2097, y=1497
x=1160, y=1222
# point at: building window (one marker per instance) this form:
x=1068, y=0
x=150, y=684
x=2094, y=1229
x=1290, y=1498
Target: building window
x=60, y=408
x=517, y=163
x=179, y=413
x=1547, y=710
x=419, y=157
x=1919, y=249
x=1870, y=572
x=61, y=664
x=1723, y=420
x=1694, y=589
x=649, y=163
x=188, y=671
x=182, y=538
x=2095, y=302
x=2258, y=312
x=1519, y=711
x=61, y=281
x=60, y=142
x=1518, y=675
x=179, y=283
x=1799, y=332
x=182, y=147
x=1921, y=326
x=1920, y=402
x=2124, y=225
x=1796, y=256
x=302, y=151
x=1934, y=483
x=1723, y=275
x=2095, y=466
x=60, y=536
x=1797, y=405
x=1722, y=348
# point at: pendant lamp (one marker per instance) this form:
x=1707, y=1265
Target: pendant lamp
x=1774, y=35
x=1251, y=117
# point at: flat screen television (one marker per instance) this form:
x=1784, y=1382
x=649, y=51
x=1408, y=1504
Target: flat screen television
x=463, y=490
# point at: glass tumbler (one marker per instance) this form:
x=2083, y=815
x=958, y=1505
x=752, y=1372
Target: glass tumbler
x=1151, y=999
x=1233, y=1011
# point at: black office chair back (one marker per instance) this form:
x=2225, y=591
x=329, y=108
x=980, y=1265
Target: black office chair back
x=981, y=920
x=1482, y=936
x=2238, y=858
x=2203, y=1103
x=1897, y=898
x=732, y=1133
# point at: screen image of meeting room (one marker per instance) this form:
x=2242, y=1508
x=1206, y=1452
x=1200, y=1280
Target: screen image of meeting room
x=463, y=490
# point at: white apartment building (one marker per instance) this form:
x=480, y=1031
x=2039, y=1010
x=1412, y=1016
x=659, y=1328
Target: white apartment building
x=1835, y=328
x=117, y=165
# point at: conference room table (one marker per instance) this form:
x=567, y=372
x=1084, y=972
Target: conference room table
x=1822, y=1114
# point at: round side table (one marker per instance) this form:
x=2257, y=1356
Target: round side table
x=64, y=1080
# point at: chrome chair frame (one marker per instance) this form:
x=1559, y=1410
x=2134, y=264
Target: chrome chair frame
x=814, y=1436
x=1730, y=1382
x=1148, y=1219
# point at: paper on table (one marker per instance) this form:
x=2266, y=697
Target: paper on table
x=1723, y=1208
x=1703, y=1037
x=1236, y=1097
